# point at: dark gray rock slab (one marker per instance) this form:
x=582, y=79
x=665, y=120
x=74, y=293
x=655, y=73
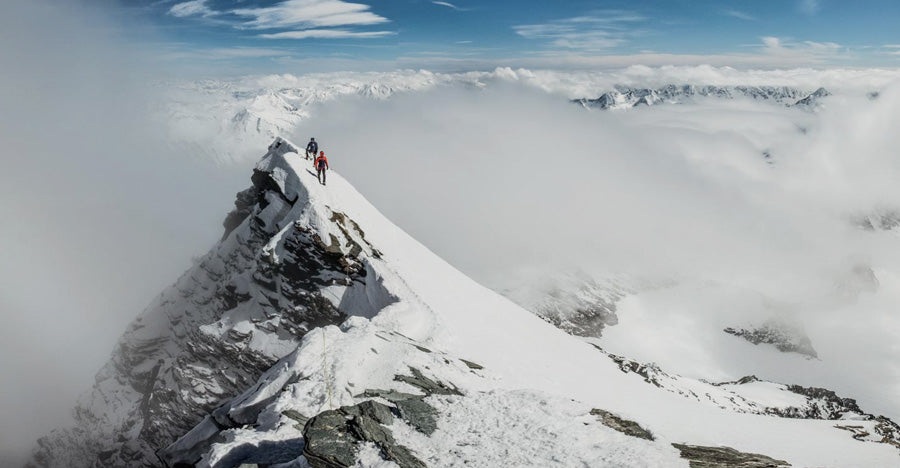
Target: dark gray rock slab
x=418, y=414
x=430, y=387
x=333, y=437
x=622, y=425
x=329, y=442
x=472, y=365
x=726, y=457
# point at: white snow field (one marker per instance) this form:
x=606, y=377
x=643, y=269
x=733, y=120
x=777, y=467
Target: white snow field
x=530, y=404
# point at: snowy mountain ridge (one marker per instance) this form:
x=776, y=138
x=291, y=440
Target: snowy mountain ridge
x=242, y=307
x=624, y=97
x=318, y=334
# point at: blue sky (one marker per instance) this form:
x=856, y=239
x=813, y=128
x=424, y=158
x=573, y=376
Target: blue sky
x=324, y=35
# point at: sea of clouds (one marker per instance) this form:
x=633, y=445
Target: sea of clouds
x=495, y=171
x=517, y=188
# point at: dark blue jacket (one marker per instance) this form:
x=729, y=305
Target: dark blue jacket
x=312, y=147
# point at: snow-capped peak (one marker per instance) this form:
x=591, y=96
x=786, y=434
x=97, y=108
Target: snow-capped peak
x=317, y=333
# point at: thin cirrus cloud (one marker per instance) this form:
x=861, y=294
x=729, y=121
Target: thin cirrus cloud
x=191, y=8
x=223, y=53
x=808, y=51
x=309, y=14
x=448, y=5
x=778, y=45
x=242, y=52
x=809, y=7
x=740, y=15
x=603, y=30
x=892, y=49
x=323, y=19
x=326, y=34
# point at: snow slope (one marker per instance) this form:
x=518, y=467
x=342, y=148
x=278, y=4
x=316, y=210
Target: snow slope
x=452, y=314
x=523, y=352
x=410, y=332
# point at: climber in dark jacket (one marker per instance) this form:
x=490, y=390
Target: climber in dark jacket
x=321, y=165
x=312, y=148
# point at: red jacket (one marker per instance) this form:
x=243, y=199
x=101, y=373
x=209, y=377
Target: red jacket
x=323, y=159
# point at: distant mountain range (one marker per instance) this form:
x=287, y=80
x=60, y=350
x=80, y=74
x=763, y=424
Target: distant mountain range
x=626, y=97
x=227, y=120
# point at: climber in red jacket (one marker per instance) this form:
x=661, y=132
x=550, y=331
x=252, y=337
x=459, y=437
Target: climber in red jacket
x=321, y=165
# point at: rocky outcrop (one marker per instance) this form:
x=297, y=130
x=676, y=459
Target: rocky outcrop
x=884, y=431
x=824, y=404
x=888, y=431
x=426, y=385
x=586, y=320
x=884, y=219
x=786, y=337
x=817, y=403
x=813, y=101
x=650, y=372
x=624, y=426
x=243, y=306
x=575, y=303
x=333, y=437
x=726, y=457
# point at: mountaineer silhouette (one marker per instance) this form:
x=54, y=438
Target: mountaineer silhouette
x=321, y=165
x=312, y=148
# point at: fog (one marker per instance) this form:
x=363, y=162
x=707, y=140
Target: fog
x=98, y=213
x=515, y=187
x=508, y=178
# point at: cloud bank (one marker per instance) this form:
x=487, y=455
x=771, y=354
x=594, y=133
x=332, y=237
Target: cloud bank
x=99, y=215
x=513, y=185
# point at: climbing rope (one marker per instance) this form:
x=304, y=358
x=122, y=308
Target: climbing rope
x=325, y=371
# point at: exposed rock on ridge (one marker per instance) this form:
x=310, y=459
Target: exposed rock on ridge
x=726, y=457
x=786, y=337
x=274, y=276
